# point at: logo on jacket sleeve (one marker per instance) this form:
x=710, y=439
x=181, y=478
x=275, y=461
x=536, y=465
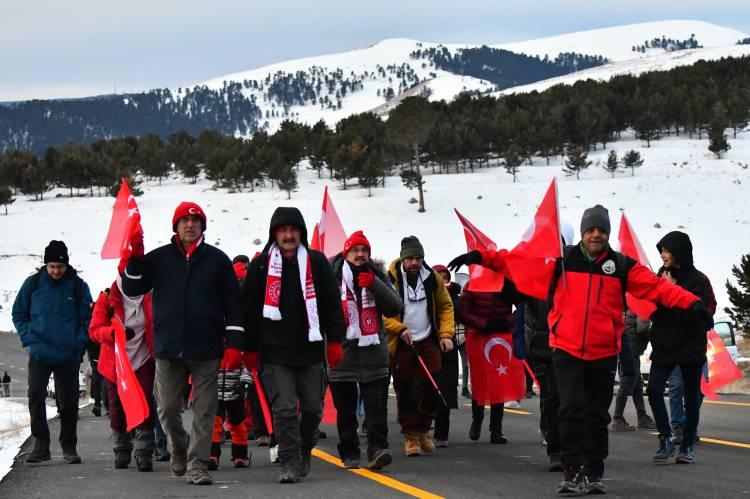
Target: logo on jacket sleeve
x=609, y=267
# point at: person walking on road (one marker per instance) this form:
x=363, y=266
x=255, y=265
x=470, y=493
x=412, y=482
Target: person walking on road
x=51, y=314
x=421, y=334
x=6, y=384
x=678, y=340
x=196, y=311
x=292, y=304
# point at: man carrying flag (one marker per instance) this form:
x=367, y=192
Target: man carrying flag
x=196, y=309
x=586, y=326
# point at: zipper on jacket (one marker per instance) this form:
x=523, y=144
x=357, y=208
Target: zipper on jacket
x=586, y=315
x=599, y=293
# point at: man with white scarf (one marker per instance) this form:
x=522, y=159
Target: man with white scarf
x=366, y=296
x=292, y=304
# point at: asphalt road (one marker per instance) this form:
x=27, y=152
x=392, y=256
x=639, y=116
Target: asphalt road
x=14, y=360
x=464, y=469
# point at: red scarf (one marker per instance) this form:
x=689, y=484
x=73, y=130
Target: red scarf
x=361, y=324
x=189, y=252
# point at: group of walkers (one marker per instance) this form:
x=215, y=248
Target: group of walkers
x=296, y=323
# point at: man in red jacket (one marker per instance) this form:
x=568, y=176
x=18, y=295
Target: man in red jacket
x=586, y=325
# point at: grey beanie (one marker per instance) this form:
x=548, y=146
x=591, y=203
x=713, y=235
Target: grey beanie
x=598, y=216
x=410, y=246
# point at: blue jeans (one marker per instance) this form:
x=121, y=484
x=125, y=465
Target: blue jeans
x=691, y=374
x=676, y=398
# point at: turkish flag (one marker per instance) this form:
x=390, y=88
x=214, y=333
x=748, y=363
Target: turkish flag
x=330, y=231
x=129, y=390
x=496, y=375
x=315, y=240
x=329, y=409
x=125, y=223
x=631, y=246
x=721, y=368
x=481, y=279
x=531, y=264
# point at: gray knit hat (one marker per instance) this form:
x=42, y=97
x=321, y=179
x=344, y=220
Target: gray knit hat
x=410, y=246
x=598, y=216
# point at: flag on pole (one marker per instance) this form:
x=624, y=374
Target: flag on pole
x=124, y=224
x=481, y=279
x=531, y=264
x=631, y=246
x=315, y=239
x=721, y=368
x=331, y=233
x=329, y=409
x=131, y=394
x=496, y=375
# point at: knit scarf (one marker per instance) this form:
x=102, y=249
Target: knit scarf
x=360, y=324
x=273, y=289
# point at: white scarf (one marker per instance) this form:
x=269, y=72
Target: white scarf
x=360, y=326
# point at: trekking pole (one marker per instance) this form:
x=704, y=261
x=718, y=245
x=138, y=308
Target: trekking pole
x=531, y=373
x=429, y=376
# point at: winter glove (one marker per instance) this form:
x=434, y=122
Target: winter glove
x=232, y=359
x=251, y=360
x=137, y=245
x=129, y=333
x=470, y=258
x=334, y=353
x=365, y=279
x=702, y=314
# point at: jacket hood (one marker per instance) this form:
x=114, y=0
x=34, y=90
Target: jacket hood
x=285, y=215
x=678, y=243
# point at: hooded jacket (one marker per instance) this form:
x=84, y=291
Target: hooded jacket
x=439, y=307
x=286, y=341
x=675, y=334
x=369, y=363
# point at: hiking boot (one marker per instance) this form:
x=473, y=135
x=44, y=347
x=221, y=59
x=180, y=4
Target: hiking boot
x=666, y=450
x=619, y=424
x=96, y=410
x=71, y=457
x=465, y=392
x=213, y=463
x=178, y=462
x=160, y=450
x=351, y=463
x=380, y=460
x=39, y=454
x=198, y=476
x=426, y=443
x=646, y=423
x=686, y=455
x=529, y=394
x=241, y=462
x=677, y=435
x=475, y=430
x=498, y=438
x=288, y=476
x=594, y=485
x=441, y=443
x=573, y=481
x=555, y=463
x=263, y=441
x=304, y=467
x=144, y=463
x=122, y=459
x=411, y=445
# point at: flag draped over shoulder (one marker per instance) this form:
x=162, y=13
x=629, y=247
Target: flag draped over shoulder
x=482, y=279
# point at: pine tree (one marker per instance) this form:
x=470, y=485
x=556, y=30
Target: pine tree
x=717, y=139
x=371, y=172
x=612, y=163
x=35, y=180
x=739, y=296
x=632, y=160
x=576, y=161
x=6, y=197
x=512, y=161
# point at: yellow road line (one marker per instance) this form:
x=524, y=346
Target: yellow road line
x=512, y=411
x=721, y=442
x=381, y=479
x=721, y=402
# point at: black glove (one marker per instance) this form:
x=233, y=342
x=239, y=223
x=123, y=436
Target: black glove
x=129, y=333
x=470, y=258
x=702, y=314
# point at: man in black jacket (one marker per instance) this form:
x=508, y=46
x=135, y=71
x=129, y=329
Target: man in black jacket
x=291, y=302
x=677, y=339
x=196, y=310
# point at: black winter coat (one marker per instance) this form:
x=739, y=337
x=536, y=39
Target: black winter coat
x=196, y=301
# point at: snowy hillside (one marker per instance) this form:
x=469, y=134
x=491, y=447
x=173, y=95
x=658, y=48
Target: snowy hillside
x=680, y=186
x=390, y=65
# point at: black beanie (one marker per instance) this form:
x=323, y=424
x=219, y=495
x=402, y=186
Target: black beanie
x=56, y=251
x=410, y=246
x=598, y=216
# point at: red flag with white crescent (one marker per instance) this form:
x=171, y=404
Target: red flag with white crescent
x=631, y=246
x=330, y=231
x=721, y=367
x=124, y=224
x=131, y=394
x=481, y=279
x=496, y=375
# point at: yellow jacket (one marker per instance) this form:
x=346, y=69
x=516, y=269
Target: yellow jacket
x=439, y=306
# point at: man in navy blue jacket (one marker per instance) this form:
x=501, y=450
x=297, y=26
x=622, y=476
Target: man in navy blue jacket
x=51, y=314
x=196, y=312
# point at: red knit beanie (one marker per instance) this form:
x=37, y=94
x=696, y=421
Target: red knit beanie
x=186, y=209
x=354, y=240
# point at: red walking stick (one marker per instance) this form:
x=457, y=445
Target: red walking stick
x=429, y=376
x=263, y=403
x=531, y=373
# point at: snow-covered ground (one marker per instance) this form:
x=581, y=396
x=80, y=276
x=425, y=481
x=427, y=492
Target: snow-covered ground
x=14, y=430
x=680, y=187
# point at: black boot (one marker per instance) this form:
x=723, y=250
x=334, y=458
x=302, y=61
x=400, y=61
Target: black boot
x=40, y=453
x=160, y=450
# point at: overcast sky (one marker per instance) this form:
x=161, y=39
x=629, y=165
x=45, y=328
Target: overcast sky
x=66, y=48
